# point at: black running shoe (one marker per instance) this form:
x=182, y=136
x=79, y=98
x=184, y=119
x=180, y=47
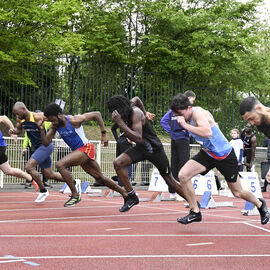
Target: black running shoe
x=191, y=217
x=72, y=201
x=129, y=202
x=264, y=212
x=28, y=184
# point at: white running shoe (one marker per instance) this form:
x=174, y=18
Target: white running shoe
x=78, y=186
x=42, y=197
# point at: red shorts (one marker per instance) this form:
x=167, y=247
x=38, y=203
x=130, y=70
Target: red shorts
x=89, y=150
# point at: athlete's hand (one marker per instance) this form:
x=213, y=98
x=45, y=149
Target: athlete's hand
x=104, y=139
x=150, y=116
x=116, y=117
x=181, y=121
x=12, y=132
x=14, y=137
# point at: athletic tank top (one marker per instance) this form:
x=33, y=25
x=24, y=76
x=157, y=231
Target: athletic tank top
x=247, y=140
x=2, y=140
x=71, y=137
x=217, y=146
x=33, y=131
x=149, y=136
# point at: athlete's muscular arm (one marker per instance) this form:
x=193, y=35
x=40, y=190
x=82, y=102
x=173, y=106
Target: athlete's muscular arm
x=202, y=126
x=47, y=138
x=136, y=101
x=78, y=120
x=18, y=129
x=5, y=120
x=253, y=149
x=134, y=134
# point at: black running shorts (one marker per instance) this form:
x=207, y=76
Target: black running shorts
x=3, y=157
x=157, y=157
x=227, y=166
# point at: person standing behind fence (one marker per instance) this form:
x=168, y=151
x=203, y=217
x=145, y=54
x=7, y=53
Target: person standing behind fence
x=29, y=121
x=249, y=140
x=238, y=147
x=130, y=116
x=216, y=152
x=180, y=152
x=4, y=165
x=83, y=152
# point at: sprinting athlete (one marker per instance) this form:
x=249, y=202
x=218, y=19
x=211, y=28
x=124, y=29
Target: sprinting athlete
x=83, y=152
x=4, y=165
x=131, y=117
x=216, y=152
x=42, y=156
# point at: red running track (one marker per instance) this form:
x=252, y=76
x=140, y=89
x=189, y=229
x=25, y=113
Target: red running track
x=95, y=235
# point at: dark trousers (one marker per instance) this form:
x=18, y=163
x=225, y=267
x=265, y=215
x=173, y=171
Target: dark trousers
x=180, y=154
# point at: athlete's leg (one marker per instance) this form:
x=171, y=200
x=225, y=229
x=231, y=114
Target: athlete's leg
x=92, y=168
x=5, y=167
x=239, y=192
x=30, y=167
x=75, y=158
x=189, y=170
x=120, y=164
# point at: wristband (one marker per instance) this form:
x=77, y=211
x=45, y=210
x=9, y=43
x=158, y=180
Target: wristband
x=103, y=131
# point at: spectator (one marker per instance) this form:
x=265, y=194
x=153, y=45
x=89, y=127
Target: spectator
x=238, y=147
x=249, y=140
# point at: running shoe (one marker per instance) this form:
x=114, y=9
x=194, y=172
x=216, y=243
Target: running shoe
x=129, y=202
x=264, y=212
x=191, y=217
x=72, y=201
x=27, y=184
x=42, y=197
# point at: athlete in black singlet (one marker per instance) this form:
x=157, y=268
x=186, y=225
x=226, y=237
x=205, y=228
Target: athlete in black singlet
x=131, y=117
x=249, y=141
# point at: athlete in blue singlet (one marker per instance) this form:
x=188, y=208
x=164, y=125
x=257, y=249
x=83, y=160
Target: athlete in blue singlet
x=216, y=152
x=83, y=152
x=29, y=121
x=4, y=165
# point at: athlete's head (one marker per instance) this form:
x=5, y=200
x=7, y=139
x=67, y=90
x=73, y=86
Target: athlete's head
x=54, y=114
x=251, y=110
x=20, y=110
x=181, y=106
x=122, y=105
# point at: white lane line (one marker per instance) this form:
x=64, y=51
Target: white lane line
x=118, y=229
x=146, y=256
x=128, y=235
x=10, y=261
x=84, y=217
x=200, y=244
x=257, y=227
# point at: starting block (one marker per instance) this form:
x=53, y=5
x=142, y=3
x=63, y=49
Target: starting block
x=112, y=193
x=66, y=189
x=160, y=196
x=208, y=202
x=250, y=210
